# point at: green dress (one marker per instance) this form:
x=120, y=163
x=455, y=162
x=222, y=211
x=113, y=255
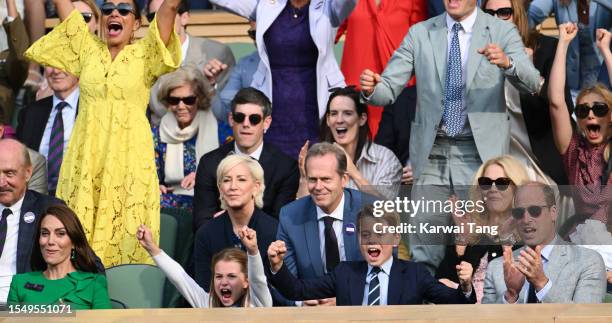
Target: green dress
x=80, y=290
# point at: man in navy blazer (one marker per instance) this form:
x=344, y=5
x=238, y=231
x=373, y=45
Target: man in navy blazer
x=302, y=225
x=379, y=280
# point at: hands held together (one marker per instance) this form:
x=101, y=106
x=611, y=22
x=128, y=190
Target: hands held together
x=527, y=266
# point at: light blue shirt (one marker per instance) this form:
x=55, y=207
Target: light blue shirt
x=383, y=280
x=69, y=113
x=542, y=292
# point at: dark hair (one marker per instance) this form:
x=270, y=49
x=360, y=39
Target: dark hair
x=228, y=254
x=367, y=211
x=250, y=95
x=183, y=7
x=364, y=135
x=324, y=148
x=85, y=257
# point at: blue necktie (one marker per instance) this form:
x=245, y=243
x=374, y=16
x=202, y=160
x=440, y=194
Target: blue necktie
x=56, y=148
x=453, y=97
x=374, y=288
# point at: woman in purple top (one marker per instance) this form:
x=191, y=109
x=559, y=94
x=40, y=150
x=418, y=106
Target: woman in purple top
x=295, y=40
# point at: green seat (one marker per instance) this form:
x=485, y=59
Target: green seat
x=136, y=286
x=608, y=298
x=167, y=233
x=241, y=49
x=183, y=251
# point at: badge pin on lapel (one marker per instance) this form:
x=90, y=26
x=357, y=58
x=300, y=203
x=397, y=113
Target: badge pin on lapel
x=29, y=217
x=349, y=228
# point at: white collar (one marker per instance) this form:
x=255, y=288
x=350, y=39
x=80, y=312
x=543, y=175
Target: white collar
x=72, y=99
x=337, y=214
x=467, y=23
x=386, y=267
x=547, y=250
x=256, y=154
x=15, y=208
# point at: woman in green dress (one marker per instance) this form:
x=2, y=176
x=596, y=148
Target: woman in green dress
x=63, y=264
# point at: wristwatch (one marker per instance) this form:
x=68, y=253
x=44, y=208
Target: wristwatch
x=511, y=64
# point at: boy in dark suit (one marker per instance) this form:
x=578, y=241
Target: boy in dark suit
x=388, y=280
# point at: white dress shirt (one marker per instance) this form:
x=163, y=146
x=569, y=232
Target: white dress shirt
x=337, y=214
x=383, y=280
x=184, y=48
x=69, y=113
x=256, y=154
x=8, y=260
x=465, y=40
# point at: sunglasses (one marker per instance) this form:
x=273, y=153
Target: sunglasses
x=150, y=16
x=600, y=109
x=501, y=13
x=123, y=8
x=533, y=210
x=254, y=119
x=87, y=16
x=501, y=183
x=188, y=100
x=252, y=34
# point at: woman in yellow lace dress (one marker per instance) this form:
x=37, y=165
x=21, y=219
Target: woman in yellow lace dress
x=108, y=173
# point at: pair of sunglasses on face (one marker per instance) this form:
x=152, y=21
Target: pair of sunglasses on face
x=600, y=110
x=501, y=13
x=188, y=100
x=534, y=211
x=122, y=8
x=501, y=183
x=254, y=119
x=87, y=16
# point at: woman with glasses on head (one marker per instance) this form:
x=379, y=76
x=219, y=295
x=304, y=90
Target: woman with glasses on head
x=530, y=128
x=183, y=135
x=586, y=150
x=493, y=187
x=108, y=172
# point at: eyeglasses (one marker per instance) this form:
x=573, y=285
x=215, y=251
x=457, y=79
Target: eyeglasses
x=87, y=16
x=188, y=100
x=254, y=119
x=150, y=16
x=533, y=210
x=123, y=8
x=252, y=33
x=501, y=13
x=600, y=109
x=501, y=183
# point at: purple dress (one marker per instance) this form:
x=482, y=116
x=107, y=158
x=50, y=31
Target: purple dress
x=293, y=62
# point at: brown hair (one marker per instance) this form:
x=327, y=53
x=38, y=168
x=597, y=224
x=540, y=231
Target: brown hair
x=228, y=254
x=85, y=257
x=519, y=17
x=324, y=148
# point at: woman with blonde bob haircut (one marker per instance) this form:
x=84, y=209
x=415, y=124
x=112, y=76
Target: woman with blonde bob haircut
x=184, y=135
x=240, y=180
x=493, y=189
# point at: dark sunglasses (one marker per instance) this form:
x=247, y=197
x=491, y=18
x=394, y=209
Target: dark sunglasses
x=600, y=109
x=150, y=16
x=252, y=34
x=254, y=119
x=188, y=100
x=123, y=8
x=501, y=13
x=533, y=210
x=87, y=16
x=501, y=183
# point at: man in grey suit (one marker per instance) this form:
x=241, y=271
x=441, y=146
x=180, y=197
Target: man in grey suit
x=547, y=269
x=461, y=60
x=196, y=51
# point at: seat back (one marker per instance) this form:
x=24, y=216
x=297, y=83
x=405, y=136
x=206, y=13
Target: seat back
x=136, y=285
x=167, y=233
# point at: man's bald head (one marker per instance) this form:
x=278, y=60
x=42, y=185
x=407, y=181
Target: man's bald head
x=15, y=171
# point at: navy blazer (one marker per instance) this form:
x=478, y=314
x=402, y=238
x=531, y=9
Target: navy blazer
x=299, y=228
x=34, y=203
x=218, y=234
x=409, y=283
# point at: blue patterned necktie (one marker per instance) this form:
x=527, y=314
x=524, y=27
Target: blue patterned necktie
x=454, y=87
x=56, y=148
x=374, y=288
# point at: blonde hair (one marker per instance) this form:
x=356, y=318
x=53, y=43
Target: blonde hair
x=601, y=90
x=186, y=75
x=229, y=254
x=255, y=169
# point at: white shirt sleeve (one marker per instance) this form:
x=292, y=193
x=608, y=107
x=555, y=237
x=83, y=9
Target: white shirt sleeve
x=193, y=293
x=258, y=284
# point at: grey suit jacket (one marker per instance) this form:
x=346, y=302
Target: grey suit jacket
x=38, y=181
x=424, y=52
x=578, y=275
x=199, y=52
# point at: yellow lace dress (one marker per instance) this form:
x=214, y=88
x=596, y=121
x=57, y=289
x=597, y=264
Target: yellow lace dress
x=108, y=175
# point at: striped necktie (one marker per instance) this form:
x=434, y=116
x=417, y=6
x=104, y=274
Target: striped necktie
x=374, y=288
x=56, y=148
x=453, y=97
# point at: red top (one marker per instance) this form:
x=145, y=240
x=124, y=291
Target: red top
x=373, y=33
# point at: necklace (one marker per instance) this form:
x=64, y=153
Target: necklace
x=296, y=12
